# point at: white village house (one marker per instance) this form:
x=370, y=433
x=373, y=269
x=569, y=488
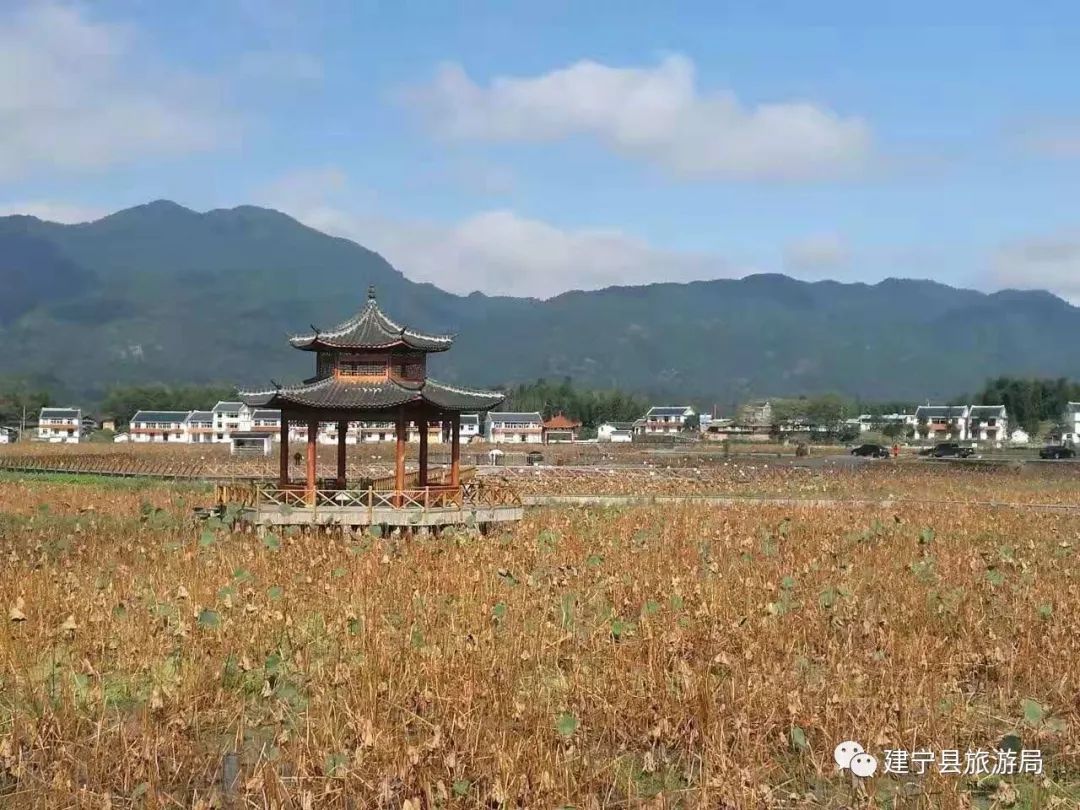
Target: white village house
x=470, y=427
x=199, y=427
x=158, y=426
x=510, y=427
x=226, y=419
x=59, y=425
x=941, y=422
x=661, y=419
x=988, y=423
x=1070, y=423
x=980, y=423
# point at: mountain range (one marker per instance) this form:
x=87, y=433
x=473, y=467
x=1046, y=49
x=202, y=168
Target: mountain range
x=161, y=293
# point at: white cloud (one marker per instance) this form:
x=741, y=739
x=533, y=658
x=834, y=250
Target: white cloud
x=1044, y=263
x=502, y=253
x=497, y=252
x=817, y=255
x=67, y=213
x=76, y=94
x=652, y=113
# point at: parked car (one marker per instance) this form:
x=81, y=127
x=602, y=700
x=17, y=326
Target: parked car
x=1057, y=451
x=534, y=457
x=871, y=450
x=951, y=450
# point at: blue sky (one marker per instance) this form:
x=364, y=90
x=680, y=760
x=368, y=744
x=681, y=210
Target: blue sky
x=533, y=148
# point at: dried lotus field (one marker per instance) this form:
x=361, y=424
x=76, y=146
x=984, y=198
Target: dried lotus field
x=914, y=481
x=683, y=655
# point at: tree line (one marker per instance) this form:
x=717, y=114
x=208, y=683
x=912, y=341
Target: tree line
x=19, y=398
x=1029, y=401
x=590, y=407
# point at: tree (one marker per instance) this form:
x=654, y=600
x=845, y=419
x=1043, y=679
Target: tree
x=590, y=407
x=21, y=400
x=1029, y=402
x=894, y=430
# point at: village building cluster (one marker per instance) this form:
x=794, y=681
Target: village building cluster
x=229, y=421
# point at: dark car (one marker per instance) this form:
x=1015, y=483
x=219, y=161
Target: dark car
x=1057, y=451
x=951, y=450
x=534, y=457
x=871, y=450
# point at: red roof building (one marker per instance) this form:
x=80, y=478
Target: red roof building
x=560, y=428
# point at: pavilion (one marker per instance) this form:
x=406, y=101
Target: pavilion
x=371, y=368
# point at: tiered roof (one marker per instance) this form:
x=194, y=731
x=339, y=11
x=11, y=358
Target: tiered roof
x=371, y=328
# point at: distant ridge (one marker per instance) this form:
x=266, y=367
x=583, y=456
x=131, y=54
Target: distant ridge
x=159, y=292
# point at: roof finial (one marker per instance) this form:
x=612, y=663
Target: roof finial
x=371, y=292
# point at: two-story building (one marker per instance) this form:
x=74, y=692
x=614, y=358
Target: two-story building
x=261, y=420
x=941, y=422
x=1070, y=422
x=226, y=419
x=988, y=423
x=661, y=419
x=59, y=425
x=979, y=423
x=158, y=426
x=522, y=428
x=199, y=427
x=756, y=414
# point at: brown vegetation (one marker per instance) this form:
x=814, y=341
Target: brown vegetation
x=678, y=657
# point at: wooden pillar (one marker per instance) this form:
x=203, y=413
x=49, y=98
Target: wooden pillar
x=342, y=431
x=283, y=477
x=455, y=450
x=399, y=461
x=422, y=424
x=312, y=436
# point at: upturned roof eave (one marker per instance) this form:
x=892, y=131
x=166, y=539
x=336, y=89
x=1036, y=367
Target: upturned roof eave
x=395, y=395
x=311, y=343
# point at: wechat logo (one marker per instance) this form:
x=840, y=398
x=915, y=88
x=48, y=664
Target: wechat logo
x=850, y=756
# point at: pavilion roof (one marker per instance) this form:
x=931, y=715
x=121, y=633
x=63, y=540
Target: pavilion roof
x=370, y=328
x=561, y=422
x=333, y=393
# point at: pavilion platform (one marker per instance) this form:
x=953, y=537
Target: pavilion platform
x=476, y=503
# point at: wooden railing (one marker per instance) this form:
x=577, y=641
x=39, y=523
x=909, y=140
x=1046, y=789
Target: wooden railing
x=478, y=493
x=101, y=464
